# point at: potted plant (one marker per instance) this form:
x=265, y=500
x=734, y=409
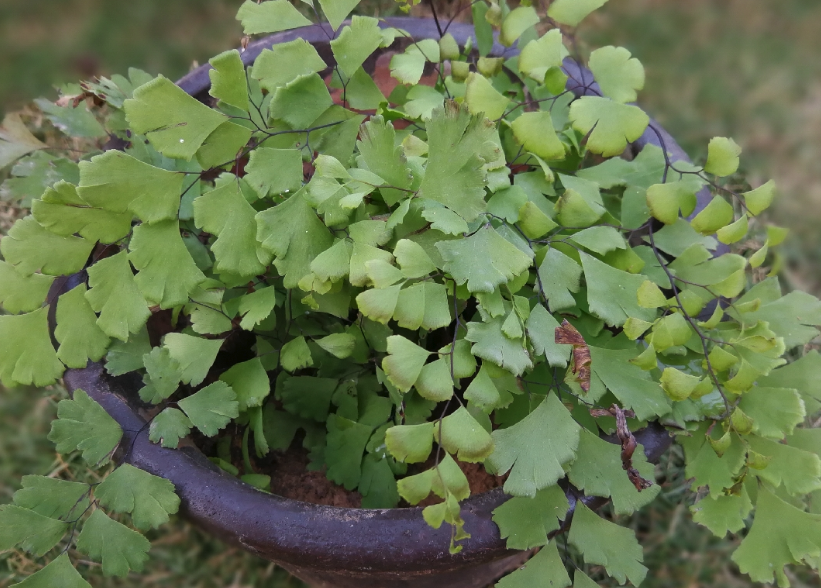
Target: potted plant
x=397, y=288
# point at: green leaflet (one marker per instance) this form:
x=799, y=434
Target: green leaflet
x=82, y=424
x=52, y=497
x=619, y=75
x=544, y=569
x=611, y=125
x=274, y=171
x=781, y=534
x=605, y=543
x=148, y=498
x=228, y=82
x=484, y=260
x=81, y=339
x=31, y=532
x=386, y=159
x=459, y=145
x=356, y=42
x=195, y=355
x=26, y=354
x=114, y=294
x=167, y=272
x=119, y=548
x=572, y=12
x=225, y=213
x=270, y=17
x=535, y=449
x=57, y=574
x=63, y=212
x=31, y=248
x=526, y=522
x=293, y=233
x=284, y=62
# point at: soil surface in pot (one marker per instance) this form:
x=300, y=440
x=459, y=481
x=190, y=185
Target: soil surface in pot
x=291, y=478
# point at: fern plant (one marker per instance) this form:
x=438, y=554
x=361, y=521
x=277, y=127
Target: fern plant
x=462, y=271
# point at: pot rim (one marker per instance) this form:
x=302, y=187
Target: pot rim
x=306, y=534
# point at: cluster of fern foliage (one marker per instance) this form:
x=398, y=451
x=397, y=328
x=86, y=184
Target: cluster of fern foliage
x=462, y=271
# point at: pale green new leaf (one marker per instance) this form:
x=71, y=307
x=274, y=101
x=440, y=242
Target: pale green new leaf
x=544, y=570
x=760, y=199
x=379, y=304
x=598, y=471
x=27, y=356
x=226, y=213
x=781, y=534
x=175, y=123
x=295, y=355
x=21, y=293
x=722, y=156
x=404, y=362
x=118, y=548
x=63, y=212
x=611, y=293
x=716, y=215
x=269, y=17
x=356, y=42
x=462, y=435
x=611, y=125
x=572, y=12
x=295, y=235
x=526, y=522
x=536, y=448
x=410, y=443
x=148, y=498
x=539, y=56
x=536, y=133
x=114, y=294
x=284, y=62
x=434, y=382
x=168, y=427
x=117, y=182
x=618, y=73
x=28, y=530
x=77, y=332
x=228, y=82
x=249, y=381
x=667, y=200
x=211, y=408
x=194, y=354
x=57, y=574
x=483, y=99
x=604, y=543
x=52, y=497
x=30, y=248
x=167, y=272
x=484, y=260
x=517, y=22
x=84, y=425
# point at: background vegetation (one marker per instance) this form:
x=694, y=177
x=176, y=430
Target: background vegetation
x=748, y=69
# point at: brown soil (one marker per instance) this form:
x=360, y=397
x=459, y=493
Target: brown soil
x=291, y=479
